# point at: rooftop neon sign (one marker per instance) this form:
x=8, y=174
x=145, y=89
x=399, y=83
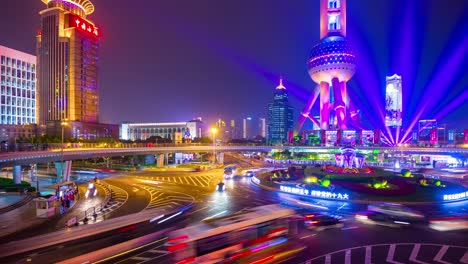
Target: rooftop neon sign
x=318, y=194
x=83, y=26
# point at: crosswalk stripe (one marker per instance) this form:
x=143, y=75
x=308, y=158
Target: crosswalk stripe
x=441, y=254
x=368, y=256
x=185, y=178
x=391, y=252
x=196, y=178
x=192, y=181
x=414, y=254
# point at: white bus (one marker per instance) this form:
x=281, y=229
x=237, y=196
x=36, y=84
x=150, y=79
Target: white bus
x=215, y=239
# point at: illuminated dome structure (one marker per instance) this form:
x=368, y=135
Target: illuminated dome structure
x=331, y=63
x=332, y=58
x=79, y=7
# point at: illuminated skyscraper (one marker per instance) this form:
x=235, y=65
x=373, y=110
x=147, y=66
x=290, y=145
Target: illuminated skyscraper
x=262, y=130
x=67, y=55
x=331, y=63
x=18, y=87
x=393, y=100
x=247, y=128
x=280, y=116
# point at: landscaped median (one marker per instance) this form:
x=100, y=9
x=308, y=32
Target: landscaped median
x=374, y=185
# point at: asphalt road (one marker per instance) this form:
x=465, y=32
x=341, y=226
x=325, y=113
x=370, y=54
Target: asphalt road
x=354, y=243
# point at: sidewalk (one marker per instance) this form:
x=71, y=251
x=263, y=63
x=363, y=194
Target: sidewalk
x=31, y=225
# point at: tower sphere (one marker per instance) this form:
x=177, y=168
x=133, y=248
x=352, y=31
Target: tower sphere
x=332, y=57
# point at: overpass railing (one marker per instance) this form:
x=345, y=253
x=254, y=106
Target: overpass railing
x=25, y=147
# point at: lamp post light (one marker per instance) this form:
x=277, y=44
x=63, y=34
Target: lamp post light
x=63, y=123
x=214, y=130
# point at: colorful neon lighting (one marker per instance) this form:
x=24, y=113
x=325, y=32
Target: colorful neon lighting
x=318, y=194
x=456, y=196
x=84, y=26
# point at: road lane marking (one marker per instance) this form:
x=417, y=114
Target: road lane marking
x=198, y=210
x=328, y=259
x=351, y=227
x=159, y=251
x=414, y=254
x=391, y=252
x=348, y=256
x=140, y=258
x=367, y=258
x=304, y=237
x=441, y=254
x=464, y=259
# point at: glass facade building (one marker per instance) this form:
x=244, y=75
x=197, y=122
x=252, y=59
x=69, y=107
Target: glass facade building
x=18, y=87
x=280, y=116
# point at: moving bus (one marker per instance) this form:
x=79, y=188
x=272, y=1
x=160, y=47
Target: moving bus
x=220, y=238
x=230, y=171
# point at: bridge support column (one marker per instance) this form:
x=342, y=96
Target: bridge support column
x=149, y=159
x=220, y=158
x=160, y=161
x=63, y=170
x=17, y=174
x=178, y=158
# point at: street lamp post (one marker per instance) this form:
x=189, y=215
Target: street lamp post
x=214, y=130
x=63, y=123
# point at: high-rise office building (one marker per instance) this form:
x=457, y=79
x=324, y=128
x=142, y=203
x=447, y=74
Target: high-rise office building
x=67, y=58
x=262, y=128
x=234, y=130
x=280, y=116
x=393, y=101
x=18, y=87
x=247, y=128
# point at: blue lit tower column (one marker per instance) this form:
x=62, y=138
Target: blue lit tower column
x=332, y=62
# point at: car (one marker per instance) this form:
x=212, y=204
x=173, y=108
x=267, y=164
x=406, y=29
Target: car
x=376, y=218
x=319, y=222
x=396, y=210
x=248, y=173
x=92, y=190
x=221, y=187
x=449, y=223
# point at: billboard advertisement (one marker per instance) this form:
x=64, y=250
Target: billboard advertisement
x=433, y=136
x=367, y=137
x=393, y=101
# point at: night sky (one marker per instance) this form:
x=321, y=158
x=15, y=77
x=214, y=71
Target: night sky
x=172, y=60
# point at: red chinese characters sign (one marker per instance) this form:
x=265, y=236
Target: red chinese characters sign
x=84, y=26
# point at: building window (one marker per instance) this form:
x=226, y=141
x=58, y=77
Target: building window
x=3, y=60
x=333, y=22
x=333, y=3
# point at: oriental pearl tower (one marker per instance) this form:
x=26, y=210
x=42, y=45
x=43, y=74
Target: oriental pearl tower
x=332, y=62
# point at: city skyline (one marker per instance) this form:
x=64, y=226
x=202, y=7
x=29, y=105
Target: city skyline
x=251, y=69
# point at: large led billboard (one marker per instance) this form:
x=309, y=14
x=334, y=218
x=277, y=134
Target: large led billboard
x=393, y=100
